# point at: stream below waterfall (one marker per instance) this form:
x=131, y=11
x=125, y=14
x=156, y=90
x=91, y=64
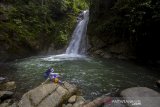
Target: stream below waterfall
x=93, y=76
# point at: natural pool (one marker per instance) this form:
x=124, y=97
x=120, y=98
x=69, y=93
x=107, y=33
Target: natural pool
x=94, y=76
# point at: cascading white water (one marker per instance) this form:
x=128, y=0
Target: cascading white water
x=77, y=46
x=78, y=42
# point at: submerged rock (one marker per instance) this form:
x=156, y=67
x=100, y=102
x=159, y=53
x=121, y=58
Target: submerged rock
x=48, y=95
x=141, y=97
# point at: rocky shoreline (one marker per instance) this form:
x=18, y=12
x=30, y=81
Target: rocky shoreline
x=67, y=95
x=7, y=91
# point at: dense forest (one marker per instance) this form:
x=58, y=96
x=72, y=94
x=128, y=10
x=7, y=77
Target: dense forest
x=120, y=28
x=32, y=26
x=125, y=28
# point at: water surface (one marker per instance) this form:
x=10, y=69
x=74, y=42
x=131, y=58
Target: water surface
x=94, y=77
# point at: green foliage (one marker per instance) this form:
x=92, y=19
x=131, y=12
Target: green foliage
x=38, y=23
x=61, y=40
x=81, y=4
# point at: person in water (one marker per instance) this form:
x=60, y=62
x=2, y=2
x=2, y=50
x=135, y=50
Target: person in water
x=50, y=75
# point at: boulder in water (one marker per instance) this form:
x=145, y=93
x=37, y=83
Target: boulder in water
x=141, y=96
x=47, y=95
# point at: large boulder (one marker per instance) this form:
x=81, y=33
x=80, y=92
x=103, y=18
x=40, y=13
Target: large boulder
x=47, y=95
x=141, y=97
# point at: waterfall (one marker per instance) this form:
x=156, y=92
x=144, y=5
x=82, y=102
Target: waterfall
x=78, y=41
x=78, y=45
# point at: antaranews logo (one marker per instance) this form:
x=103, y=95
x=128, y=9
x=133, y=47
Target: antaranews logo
x=131, y=102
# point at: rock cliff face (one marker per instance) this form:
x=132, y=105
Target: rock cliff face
x=124, y=28
x=103, y=40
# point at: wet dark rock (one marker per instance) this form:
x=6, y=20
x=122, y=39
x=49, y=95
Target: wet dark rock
x=142, y=96
x=5, y=95
x=107, y=55
x=158, y=83
x=6, y=103
x=2, y=80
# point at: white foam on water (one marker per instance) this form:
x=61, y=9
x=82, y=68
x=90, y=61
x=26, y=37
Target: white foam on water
x=62, y=57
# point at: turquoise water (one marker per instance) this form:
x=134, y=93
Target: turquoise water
x=94, y=77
